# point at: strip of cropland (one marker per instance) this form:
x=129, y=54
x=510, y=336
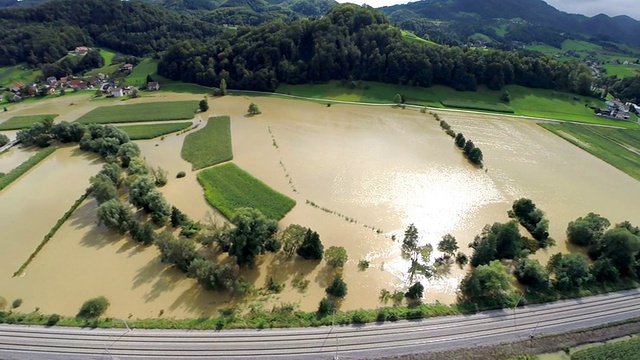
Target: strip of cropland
x=144, y=132
x=227, y=188
x=156, y=111
x=209, y=146
x=25, y=121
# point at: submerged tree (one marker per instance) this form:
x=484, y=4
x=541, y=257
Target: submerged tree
x=336, y=256
x=311, y=247
x=253, y=235
x=253, y=109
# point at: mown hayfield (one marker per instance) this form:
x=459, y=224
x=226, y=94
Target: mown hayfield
x=157, y=111
x=627, y=349
x=477, y=105
x=144, y=132
x=209, y=146
x=227, y=188
x=22, y=122
x=618, y=147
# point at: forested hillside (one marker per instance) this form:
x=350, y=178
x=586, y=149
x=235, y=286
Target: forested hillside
x=45, y=33
x=357, y=43
x=505, y=21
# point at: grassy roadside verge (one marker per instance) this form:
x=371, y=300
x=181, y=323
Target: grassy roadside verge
x=14, y=174
x=227, y=188
x=209, y=146
x=283, y=316
x=145, y=132
x=618, y=147
x=52, y=232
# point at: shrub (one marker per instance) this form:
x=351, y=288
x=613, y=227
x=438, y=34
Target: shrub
x=53, y=319
x=461, y=259
x=363, y=264
x=181, y=174
x=415, y=291
x=326, y=307
x=16, y=303
x=93, y=308
x=3, y=303
x=337, y=288
x=274, y=286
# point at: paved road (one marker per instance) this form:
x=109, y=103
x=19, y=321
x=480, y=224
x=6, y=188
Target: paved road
x=348, y=342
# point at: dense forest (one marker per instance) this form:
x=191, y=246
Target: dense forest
x=43, y=34
x=357, y=43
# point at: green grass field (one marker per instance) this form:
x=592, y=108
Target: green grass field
x=108, y=67
x=622, y=71
x=227, y=188
x=18, y=73
x=158, y=111
x=547, y=104
x=477, y=105
x=139, y=73
x=22, y=122
x=408, y=35
x=143, y=132
x=618, y=147
x=626, y=349
x=209, y=146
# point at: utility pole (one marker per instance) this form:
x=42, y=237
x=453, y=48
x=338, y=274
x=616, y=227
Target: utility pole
x=515, y=323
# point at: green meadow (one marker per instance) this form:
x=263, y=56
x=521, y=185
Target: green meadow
x=618, y=147
x=18, y=73
x=541, y=103
x=25, y=121
x=227, y=188
x=209, y=146
x=157, y=111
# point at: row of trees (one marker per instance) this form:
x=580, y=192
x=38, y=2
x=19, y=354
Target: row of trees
x=359, y=43
x=469, y=149
x=615, y=254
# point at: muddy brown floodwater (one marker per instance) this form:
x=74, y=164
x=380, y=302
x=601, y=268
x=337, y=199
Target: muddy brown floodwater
x=380, y=167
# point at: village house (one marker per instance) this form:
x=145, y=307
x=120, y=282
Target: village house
x=77, y=84
x=115, y=91
x=81, y=50
x=615, y=110
x=126, y=67
x=15, y=87
x=153, y=86
x=51, y=81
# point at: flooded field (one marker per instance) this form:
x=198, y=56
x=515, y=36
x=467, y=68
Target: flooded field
x=382, y=167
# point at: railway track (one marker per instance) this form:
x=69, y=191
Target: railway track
x=366, y=341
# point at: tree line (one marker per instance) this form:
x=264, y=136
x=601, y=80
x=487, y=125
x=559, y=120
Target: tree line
x=358, y=43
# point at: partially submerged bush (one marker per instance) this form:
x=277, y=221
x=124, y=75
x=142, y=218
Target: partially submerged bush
x=181, y=174
x=93, y=308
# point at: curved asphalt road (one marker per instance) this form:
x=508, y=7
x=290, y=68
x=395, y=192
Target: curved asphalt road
x=346, y=342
